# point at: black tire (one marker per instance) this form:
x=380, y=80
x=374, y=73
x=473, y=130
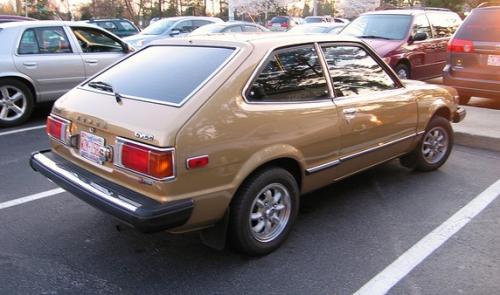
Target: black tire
x=241, y=233
x=463, y=98
x=15, y=85
x=403, y=68
x=417, y=159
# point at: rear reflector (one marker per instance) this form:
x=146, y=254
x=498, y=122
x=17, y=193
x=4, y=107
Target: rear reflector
x=58, y=128
x=460, y=45
x=157, y=163
x=197, y=162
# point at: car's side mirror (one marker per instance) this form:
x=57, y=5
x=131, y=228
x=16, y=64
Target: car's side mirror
x=419, y=36
x=127, y=48
x=175, y=32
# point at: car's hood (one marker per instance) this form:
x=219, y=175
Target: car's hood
x=383, y=47
x=146, y=38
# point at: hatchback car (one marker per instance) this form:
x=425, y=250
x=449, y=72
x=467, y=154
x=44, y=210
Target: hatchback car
x=229, y=27
x=283, y=23
x=227, y=133
x=413, y=41
x=473, y=63
x=42, y=60
x=121, y=27
x=170, y=27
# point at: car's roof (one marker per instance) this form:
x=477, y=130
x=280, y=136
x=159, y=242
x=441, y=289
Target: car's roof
x=407, y=11
x=41, y=23
x=322, y=24
x=264, y=40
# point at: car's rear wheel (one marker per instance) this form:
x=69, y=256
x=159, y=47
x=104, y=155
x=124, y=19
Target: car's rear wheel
x=403, y=71
x=263, y=211
x=16, y=102
x=433, y=149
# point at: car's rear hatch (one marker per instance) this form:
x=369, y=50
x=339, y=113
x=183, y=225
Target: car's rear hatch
x=475, y=48
x=142, y=101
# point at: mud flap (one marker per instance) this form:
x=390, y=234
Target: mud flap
x=215, y=236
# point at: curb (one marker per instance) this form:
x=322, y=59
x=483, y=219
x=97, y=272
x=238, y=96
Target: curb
x=477, y=141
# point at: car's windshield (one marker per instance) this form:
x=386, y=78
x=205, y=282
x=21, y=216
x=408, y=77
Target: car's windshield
x=308, y=29
x=158, y=27
x=313, y=20
x=213, y=28
x=379, y=26
x=482, y=25
x=149, y=75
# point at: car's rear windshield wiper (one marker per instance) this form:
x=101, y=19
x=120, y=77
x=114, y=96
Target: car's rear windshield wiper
x=105, y=87
x=374, y=37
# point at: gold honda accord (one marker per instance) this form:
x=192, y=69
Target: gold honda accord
x=223, y=134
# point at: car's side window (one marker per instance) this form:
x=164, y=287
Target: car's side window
x=93, y=40
x=354, y=71
x=233, y=29
x=444, y=24
x=290, y=75
x=108, y=25
x=48, y=40
x=200, y=23
x=421, y=25
x=185, y=26
x=248, y=28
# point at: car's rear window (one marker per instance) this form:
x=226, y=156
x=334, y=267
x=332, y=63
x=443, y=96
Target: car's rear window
x=279, y=19
x=165, y=74
x=481, y=25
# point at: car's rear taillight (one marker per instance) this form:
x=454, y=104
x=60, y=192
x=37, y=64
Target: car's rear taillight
x=284, y=25
x=460, y=45
x=58, y=128
x=157, y=163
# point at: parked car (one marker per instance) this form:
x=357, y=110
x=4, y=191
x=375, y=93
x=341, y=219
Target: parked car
x=42, y=60
x=412, y=41
x=325, y=19
x=121, y=27
x=170, y=27
x=229, y=27
x=229, y=131
x=14, y=18
x=473, y=63
x=283, y=23
x=329, y=28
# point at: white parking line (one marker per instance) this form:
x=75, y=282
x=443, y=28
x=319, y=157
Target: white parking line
x=405, y=263
x=30, y=198
x=21, y=130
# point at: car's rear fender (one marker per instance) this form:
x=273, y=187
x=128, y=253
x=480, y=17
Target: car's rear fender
x=23, y=78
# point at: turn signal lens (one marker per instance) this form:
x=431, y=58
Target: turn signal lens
x=58, y=129
x=150, y=161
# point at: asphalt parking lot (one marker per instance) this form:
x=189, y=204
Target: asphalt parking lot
x=346, y=235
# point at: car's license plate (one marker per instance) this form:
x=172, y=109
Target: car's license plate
x=494, y=60
x=276, y=25
x=92, y=147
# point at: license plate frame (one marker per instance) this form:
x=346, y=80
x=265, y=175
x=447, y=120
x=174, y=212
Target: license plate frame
x=91, y=147
x=494, y=60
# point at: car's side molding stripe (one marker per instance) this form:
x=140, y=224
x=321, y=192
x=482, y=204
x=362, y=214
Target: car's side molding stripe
x=354, y=155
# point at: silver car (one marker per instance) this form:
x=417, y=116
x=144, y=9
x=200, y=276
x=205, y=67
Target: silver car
x=42, y=60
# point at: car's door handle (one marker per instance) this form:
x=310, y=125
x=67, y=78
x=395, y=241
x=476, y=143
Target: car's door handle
x=350, y=111
x=91, y=61
x=30, y=64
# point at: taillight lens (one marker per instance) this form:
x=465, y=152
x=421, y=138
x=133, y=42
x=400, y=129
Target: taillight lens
x=460, y=45
x=58, y=128
x=150, y=161
x=284, y=25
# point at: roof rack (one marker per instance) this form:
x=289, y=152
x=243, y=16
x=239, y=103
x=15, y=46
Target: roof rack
x=488, y=4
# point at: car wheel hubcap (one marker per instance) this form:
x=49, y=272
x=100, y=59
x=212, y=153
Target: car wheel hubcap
x=12, y=103
x=435, y=145
x=402, y=74
x=270, y=212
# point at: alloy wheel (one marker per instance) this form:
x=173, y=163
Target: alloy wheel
x=435, y=145
x=13, y=103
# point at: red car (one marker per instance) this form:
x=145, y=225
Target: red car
x=412, y=41
x=13, y=18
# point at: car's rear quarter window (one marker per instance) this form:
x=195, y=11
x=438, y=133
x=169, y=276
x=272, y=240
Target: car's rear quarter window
x=481, y=25
x=166, y=74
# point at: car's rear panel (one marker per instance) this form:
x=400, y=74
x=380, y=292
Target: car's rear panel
x=474, y=52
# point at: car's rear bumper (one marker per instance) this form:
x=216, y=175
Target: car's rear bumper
x=459, y=114
x=473, y=87
x=139, y=211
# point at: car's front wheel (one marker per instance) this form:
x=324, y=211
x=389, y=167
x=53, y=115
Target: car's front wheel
x=16, y=102
x=403, y=71
x=433, y=149
x=263, y=211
